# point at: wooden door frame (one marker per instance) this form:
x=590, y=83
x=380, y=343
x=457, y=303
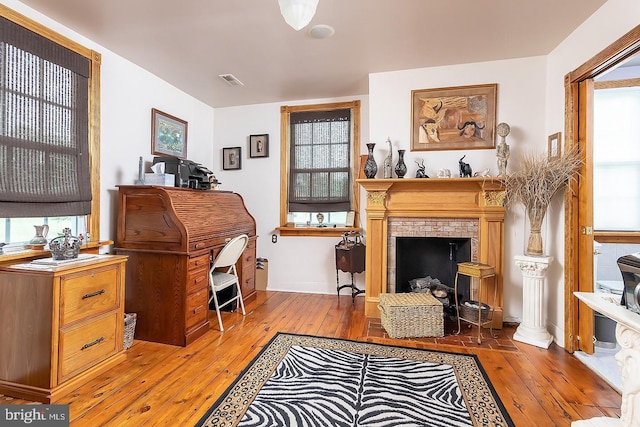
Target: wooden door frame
x=575, y=107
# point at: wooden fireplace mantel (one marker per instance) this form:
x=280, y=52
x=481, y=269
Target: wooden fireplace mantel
x=475, y=198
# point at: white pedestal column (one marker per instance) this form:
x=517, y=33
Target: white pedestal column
x=532, y=329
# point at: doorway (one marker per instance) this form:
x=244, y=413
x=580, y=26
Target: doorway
x=579, y=203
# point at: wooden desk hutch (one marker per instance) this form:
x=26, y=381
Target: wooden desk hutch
x=170, y=236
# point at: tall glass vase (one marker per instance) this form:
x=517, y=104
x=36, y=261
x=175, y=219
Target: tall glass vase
x=401, y=167
x=370, y=166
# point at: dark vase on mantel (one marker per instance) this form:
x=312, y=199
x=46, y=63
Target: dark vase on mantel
x=401, y=168
x=370, y=166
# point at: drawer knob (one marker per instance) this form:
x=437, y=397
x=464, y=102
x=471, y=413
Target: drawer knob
x=92, y=343
x=93, y=294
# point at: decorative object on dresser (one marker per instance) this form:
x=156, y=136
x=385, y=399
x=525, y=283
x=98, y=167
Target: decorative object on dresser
x=65, y=246
x=68, y=322
x=232, y=158
x=453, y=118
x=171, y=235
x=259, y=145
x=168, y=135
x=39, y=240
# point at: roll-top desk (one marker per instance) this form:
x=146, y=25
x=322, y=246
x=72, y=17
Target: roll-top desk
x=170, y=235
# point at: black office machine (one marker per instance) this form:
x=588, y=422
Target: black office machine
x=188, y=174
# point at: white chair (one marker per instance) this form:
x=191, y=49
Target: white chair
x=219, y=280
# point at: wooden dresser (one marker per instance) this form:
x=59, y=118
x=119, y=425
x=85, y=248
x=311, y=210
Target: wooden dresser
x=170, y=236
x=60, y=325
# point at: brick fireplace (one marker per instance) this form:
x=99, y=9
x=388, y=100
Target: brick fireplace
x=432, y=207
x=400, y=227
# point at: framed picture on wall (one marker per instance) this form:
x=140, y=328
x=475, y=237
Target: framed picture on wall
x=259, y=145
x=168, y=135
x=453, y=118
x=555, y=145
x=232, y=158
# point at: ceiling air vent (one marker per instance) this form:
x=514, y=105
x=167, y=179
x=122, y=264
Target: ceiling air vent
x=231, y=80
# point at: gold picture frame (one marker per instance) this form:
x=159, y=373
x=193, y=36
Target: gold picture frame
x=454, y=118
x=555, y=145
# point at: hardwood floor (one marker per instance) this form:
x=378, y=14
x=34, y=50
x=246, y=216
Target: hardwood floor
x=165, y=385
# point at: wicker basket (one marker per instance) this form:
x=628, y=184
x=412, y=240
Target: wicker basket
x=411, y=315
x=471, y=313
x=129, y=329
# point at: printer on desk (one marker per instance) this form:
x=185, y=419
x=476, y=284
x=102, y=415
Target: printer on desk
x=188, y=174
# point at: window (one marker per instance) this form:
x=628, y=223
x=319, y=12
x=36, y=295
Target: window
x=616, y=165
x=319, y=150
x=49, y=129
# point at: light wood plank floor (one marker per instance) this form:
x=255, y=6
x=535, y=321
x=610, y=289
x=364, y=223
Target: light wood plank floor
x=165, y=385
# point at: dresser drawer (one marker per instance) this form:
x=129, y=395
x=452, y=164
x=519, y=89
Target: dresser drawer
x=84, y=295
x=197, y=280
x=198, y=262
x=85, y=345
x=197, y=308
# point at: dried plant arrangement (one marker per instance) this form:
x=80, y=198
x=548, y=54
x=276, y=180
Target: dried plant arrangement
x=534, y=185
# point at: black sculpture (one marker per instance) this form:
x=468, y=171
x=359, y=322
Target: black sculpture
x=465, y=168
x=421, y=172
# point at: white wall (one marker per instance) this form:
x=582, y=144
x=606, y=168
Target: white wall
x=128, y=93
x=296, y=264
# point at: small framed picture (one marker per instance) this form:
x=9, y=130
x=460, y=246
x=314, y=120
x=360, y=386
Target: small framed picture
x=232, y=158
x=168, y=135
x=555, y=145
x=259, y=145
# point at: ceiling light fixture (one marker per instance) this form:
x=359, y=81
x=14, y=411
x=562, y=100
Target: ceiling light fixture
x=321, y=31
x=298, y=13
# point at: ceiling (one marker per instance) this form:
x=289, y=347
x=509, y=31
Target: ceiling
x=190, y=42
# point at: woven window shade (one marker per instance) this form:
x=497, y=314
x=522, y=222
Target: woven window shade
x=320, y=161
x=44, y=149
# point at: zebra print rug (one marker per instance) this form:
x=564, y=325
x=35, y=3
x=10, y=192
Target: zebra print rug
x=300, y=380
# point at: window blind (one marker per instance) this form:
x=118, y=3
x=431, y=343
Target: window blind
x=319, y=174
x=44, y=108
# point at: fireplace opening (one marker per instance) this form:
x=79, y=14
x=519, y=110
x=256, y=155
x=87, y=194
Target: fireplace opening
x=435, y=257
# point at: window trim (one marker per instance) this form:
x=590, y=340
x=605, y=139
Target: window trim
x=95, y=59
x=286, y=228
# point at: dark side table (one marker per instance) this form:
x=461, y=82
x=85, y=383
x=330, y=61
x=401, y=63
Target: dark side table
x=350, y=258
